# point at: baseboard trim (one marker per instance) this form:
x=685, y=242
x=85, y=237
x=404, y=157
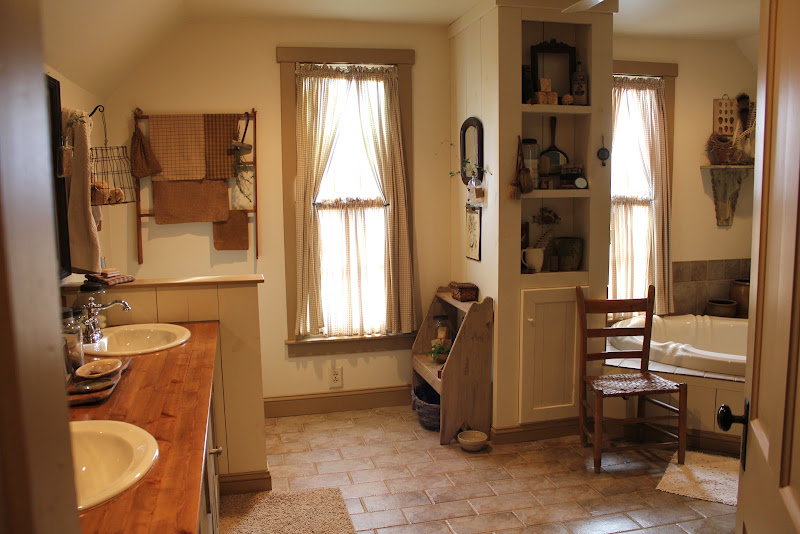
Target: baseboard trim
x=696, y=439
x=337, y=401
x=535, y=431
x=245, y=482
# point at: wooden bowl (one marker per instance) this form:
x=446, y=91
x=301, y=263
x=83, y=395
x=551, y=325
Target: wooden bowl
x=472, y=440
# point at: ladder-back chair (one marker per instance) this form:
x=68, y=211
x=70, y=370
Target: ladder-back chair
x=640, y=384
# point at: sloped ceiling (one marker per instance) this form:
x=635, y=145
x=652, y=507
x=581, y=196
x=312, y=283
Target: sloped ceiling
x=95, y=42
x=696, y=19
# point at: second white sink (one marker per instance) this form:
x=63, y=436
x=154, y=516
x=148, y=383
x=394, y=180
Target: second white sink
x=135, y=339
x=108, y=457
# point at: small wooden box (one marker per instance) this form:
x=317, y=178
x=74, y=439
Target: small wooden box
x=542, y=97
x=464, y=291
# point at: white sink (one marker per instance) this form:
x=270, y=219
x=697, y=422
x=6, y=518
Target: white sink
x=108, y=458
x=134, y=339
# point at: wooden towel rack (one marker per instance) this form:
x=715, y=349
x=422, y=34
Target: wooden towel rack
x=254, y=211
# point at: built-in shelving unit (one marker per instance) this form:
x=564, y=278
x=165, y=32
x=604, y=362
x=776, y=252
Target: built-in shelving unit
x=464, y=380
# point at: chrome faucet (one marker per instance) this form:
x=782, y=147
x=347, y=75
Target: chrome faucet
x=91, y=326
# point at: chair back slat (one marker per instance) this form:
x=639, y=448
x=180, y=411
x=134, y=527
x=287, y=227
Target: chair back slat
x=608, y=355
x=616, y=306
x=597, y=306
x=614, y=332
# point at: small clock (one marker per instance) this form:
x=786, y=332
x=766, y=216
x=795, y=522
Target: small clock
x=581, y=183
x=603, y=154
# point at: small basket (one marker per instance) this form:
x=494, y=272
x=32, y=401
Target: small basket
x=464, y=291
x=427, y=404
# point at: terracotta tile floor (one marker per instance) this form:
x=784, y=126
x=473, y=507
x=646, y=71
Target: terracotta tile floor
x=397, y=479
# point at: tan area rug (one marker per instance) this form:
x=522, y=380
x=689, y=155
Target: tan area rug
x=317, y=511
x=703, y=476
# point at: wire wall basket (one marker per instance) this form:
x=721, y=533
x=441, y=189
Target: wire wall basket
x=111, y=179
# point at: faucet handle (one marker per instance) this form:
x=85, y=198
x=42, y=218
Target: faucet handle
x=91, y=307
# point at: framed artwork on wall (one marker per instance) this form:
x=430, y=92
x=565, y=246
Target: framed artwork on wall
x=474, y=233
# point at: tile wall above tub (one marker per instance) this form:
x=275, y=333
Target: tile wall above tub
x=694, y=282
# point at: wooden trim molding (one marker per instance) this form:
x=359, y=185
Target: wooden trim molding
x=219, y=280
x=287, y=57
x=245, y=482
x=348, y=345
x=697, y=439
x=338, y=401
x=377, y=56
x=535, y=431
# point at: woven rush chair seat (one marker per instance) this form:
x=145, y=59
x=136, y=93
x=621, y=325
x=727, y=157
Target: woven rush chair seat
x=632, y=384
x=639, y=385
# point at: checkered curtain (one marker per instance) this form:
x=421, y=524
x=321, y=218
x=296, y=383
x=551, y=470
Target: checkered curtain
x=380, y=124
x=640, y=252
x=321, y=97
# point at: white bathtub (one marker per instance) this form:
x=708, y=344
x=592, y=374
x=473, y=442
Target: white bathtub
x=701, y=342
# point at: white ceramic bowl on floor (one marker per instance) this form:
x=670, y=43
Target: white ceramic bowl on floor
x=472, y=440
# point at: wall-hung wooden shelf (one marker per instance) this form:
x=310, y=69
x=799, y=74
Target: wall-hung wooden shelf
x=464, y=381
x=251, y=117
x=557, y=110
x=558, y=193
x=726, y=182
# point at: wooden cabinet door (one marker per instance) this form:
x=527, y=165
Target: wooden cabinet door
x=548, y=359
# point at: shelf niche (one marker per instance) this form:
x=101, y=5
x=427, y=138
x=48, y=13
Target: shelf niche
x=726, y=182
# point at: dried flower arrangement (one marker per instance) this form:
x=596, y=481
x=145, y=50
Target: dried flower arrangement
x=547, y=219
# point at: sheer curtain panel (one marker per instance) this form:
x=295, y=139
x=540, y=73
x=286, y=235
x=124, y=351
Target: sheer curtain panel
x=640, y=193
x=353, y=237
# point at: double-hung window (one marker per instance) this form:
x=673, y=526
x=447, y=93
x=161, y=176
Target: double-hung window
x=639, y=252
x=354, y=267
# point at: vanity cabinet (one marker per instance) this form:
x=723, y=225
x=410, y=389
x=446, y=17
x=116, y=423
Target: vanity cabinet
x=208, y=520
x=238, y=403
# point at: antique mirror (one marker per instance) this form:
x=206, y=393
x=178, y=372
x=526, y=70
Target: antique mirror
x=472, y=150
x=59, y=182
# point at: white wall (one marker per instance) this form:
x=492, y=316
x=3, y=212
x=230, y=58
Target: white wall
x=706, y=70
x=229, y=66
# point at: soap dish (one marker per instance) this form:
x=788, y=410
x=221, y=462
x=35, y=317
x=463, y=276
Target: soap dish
x=99, y=368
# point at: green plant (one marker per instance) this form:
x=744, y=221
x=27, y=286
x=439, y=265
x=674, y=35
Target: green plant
x=469, y=169
x=437, y=350
x=244, y=183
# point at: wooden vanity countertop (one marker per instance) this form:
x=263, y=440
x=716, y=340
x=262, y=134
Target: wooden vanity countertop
x=168, y=394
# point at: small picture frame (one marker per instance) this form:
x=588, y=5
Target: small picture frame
x=473, y=236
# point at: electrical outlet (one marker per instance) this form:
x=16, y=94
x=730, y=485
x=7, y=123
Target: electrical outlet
x=336, y=377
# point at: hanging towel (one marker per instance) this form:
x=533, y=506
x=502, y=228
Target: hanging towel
x=233, y=233
x=188, y=201
x=143, y=160
x=84, y=244
x=220, y=130
x=179, y=145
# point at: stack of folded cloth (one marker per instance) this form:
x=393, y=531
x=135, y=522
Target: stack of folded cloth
x=110, y=277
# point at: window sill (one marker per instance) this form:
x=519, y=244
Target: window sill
x=348, y=345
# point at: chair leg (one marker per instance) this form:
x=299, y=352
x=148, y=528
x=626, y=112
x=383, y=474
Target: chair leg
x=598, y=429
x=683, y=407
x=640, y=414
x=582, y=413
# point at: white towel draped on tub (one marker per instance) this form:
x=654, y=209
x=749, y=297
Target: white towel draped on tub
x=84, y=244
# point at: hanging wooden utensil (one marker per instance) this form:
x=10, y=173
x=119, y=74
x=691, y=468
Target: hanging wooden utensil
x=554, y=155
x=513, y=189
